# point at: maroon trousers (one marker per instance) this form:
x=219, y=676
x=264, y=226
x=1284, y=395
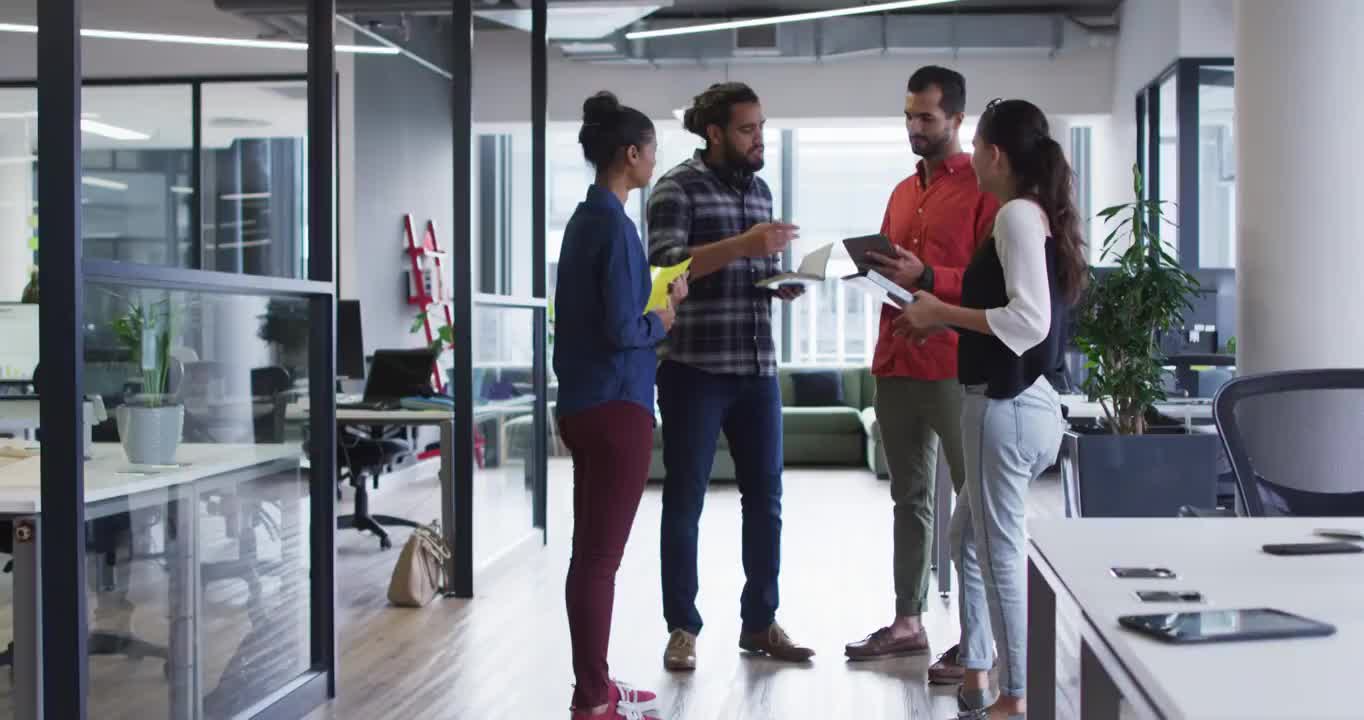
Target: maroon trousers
x=610, y=444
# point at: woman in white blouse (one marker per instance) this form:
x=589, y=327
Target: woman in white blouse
x=1016, y=296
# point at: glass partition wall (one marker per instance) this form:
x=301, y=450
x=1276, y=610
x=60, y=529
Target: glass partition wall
x=1186, y=150
x=171, y=504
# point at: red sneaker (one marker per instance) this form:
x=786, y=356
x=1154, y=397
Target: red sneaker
x=616, y=711
x=629, y=695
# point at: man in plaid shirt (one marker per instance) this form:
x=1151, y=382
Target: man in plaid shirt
x=720, y=366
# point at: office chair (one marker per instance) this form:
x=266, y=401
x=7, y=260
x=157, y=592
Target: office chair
x=360, y=455
x=1294, y=442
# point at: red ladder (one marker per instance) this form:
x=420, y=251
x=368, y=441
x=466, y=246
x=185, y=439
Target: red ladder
x=426, y=289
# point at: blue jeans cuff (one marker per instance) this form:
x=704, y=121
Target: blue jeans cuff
x=973, y=664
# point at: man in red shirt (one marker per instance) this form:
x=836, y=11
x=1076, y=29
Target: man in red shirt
x=935, y=219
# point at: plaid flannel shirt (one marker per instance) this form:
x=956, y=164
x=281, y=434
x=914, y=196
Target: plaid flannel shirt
x=725, y=325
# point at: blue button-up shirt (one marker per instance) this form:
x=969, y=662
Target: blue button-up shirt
x=603, y=342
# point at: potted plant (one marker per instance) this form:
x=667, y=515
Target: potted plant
x=151, y=420
x=285, y=325
x=1132, y=464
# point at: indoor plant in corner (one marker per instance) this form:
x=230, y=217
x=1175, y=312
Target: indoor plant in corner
x=151, y=419
x=1133, y=465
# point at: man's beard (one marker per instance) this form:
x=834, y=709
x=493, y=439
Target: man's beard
x=739, y=163
x=933, y=147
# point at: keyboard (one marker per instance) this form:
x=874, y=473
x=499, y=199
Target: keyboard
x=375, y=405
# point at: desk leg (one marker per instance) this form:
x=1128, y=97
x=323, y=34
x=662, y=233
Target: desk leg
x=1041, y=646
x=944, y=494
x=1099, y=695
x=27, y=656
x=183, y=577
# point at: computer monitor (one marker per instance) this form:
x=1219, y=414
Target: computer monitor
x=18, y=342
x=350, y=341
x=397, y=374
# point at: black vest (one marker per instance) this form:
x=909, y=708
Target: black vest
x=985, y=359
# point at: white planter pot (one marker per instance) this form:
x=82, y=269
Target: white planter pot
x=150, y=435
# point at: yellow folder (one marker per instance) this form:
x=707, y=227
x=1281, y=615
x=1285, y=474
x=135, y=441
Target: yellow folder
x=663, y=277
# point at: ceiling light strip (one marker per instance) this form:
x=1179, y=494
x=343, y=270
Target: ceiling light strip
x=207, y=40
x=397, y=49
x=100, y=182
x=113, y=132
x=781, y=19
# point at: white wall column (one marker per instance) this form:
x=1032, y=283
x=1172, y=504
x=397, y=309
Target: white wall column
x=16, y=208
x=1299, y=184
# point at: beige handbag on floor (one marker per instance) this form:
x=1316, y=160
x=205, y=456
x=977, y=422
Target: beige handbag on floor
x=420, y=572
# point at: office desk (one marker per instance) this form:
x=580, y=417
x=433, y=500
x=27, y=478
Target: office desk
x=1123, y=674
x=113, y=486
x=453, y=490
x=1080, y=407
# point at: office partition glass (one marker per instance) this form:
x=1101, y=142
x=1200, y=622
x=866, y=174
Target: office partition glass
x=137, y=162
x=1216, y=167
x=201, y=573
x=199, y=539
x=505, y=443
x=19, y=322
x=844, y=177
x=1168, y=164
x=20, y=589
x=253, y=156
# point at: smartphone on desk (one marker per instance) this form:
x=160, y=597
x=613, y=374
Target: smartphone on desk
x=1314, y=548
x=1143, y=573
x=1340, y=534
x=1170, y=596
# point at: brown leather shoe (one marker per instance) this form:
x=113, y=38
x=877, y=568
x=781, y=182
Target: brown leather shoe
x=680, y=654
x=883, y=644
x=948, y=670
x=776, y=644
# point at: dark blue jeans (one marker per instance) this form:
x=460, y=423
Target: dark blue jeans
x=695, y=407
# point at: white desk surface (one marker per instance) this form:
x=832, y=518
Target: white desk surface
x=1081, y=408
x=1307, y=678
x=395, y=417
x=109, y=475
x=298, y=412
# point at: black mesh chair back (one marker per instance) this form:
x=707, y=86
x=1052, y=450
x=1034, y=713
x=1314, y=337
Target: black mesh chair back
x=1295, y=441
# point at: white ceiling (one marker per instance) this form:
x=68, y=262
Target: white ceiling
x=198, y=17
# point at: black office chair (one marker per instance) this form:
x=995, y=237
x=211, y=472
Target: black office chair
x=1295, y=443
x=361, y=455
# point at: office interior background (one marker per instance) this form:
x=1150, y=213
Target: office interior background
x=251, y=184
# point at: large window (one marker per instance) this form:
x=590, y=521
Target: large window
x=841, y=176
x=1216, y=168
x=1191, y=164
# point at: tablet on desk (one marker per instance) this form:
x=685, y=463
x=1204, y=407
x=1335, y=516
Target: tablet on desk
x=1225, y=626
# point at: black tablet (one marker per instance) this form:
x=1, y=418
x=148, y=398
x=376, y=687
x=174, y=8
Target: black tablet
x=858, y=247
x=1225, y=626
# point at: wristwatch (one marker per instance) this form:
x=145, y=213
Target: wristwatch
x=926, y=279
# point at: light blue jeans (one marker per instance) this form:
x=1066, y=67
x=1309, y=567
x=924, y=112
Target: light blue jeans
x=1008, y=444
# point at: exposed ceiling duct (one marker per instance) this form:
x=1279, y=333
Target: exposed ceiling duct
x=998, y=34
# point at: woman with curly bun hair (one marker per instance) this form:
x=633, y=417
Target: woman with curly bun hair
x=604, y=358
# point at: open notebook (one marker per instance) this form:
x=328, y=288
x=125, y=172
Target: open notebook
x=810, y=272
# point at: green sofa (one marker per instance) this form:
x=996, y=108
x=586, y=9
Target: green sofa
x=842, y=436
x=839, y=436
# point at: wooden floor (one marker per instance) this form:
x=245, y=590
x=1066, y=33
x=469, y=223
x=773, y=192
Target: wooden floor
x=505, y=654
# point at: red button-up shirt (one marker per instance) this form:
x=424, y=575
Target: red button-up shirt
x=942, y=222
